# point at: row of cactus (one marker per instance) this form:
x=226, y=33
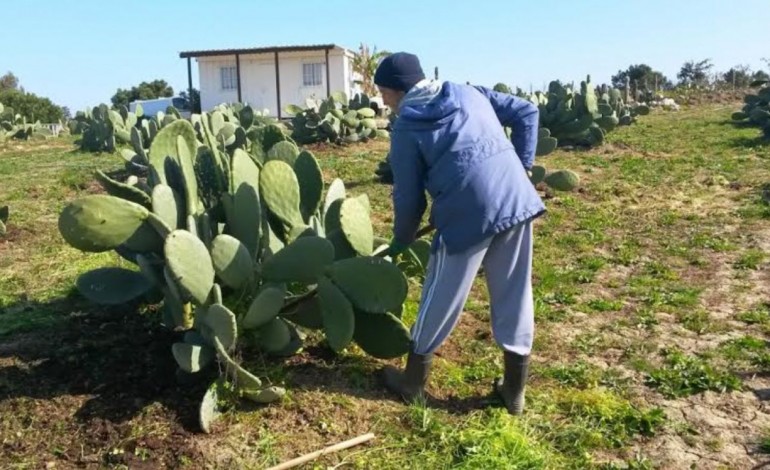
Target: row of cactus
x=227, y=126
x=337, y=120
x=102, y=128
x=16, y=126
x=4, y=213
x=570, y=117
x=245, y=248
x=756, y=108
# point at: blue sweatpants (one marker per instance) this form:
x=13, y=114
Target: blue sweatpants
x=507, y=261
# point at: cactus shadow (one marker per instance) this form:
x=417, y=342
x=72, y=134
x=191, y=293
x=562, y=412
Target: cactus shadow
x=750, y=142
x=318, y=370
x=116, y=358
x=737, y=124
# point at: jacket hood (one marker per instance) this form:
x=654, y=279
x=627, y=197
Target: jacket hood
x=427, y=105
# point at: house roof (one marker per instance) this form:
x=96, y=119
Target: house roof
x=258, y=50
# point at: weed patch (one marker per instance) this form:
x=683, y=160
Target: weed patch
x=682, y=375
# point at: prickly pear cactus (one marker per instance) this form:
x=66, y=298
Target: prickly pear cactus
x=582, y=117
x=337, y=120
x=242, y=245
x=756, y=108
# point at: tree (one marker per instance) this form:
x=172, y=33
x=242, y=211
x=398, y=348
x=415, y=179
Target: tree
x=739, y=76
x=502, y=88
x=9, y=81
x=695, y=73
x=31, y=106
x=365, y=64
x=641, y=74
x=760, y=75
x=144, y=91
x=193, y=98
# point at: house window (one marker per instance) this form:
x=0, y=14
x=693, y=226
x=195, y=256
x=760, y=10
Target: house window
x=229, y=78
x=312, y=74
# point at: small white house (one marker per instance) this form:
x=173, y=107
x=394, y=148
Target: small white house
x=271, y=77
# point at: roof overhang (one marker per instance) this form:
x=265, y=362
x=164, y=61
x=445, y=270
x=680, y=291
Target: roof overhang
x=259, y=50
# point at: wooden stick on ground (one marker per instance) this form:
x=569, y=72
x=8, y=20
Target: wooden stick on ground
x=327, y=450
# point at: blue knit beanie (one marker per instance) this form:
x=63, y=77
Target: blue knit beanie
x=399, y=71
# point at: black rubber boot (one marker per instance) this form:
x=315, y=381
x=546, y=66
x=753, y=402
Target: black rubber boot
x=511, y=386
x=410, y=383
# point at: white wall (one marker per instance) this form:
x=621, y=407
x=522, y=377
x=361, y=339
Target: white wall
x=258, y=86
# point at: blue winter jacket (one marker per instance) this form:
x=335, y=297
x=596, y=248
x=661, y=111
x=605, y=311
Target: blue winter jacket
x=449, y=139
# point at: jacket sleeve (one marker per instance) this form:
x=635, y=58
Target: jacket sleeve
x=522, y=116
x=409, y=202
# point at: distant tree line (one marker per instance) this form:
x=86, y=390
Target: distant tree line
x=692, y=74
x=28, y=105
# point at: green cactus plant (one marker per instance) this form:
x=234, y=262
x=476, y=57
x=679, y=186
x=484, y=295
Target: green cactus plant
x=337, y=120
x=243, y=248
x=580, y=118
x=756, y=108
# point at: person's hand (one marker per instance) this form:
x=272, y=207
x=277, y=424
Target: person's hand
x=396, y=249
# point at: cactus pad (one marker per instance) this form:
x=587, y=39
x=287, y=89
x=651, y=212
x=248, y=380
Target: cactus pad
x=332, y=222
x=220, y=324
x=284, y=151
x=112, y=286
x=265, y=395
x=280, y=190
x=265, y=306
x=366, y=113
x=166, y=205
x=270, y=136
x=381, y=335
x=164, y=144
x=208, y=412
x=307, y=314
x=538, y=174
x=357, y=226
x=311, y=183
x=190, y=265
x=301, y=261
x=97, y=223
x=232, y=261
x=274, y=336
x=337, y=315
x=562, y=180
x=244, y=170
x=336, y=191
x=246, y=219
x=546, y=145
x=192, y=358
x=372, y=284
x=123, y=190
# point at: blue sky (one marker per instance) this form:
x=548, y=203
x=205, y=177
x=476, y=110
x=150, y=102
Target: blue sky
x=79, y=54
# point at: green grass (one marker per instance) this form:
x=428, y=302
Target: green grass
x=682, y=375
x=621, y=269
